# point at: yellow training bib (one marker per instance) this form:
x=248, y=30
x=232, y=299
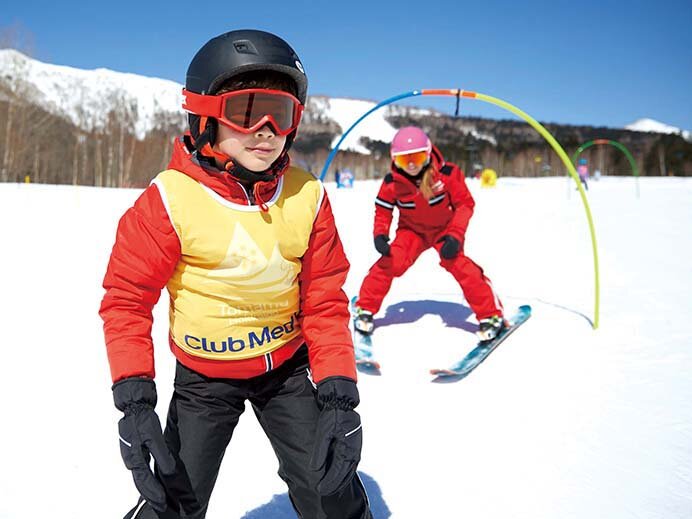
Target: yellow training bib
x=234, y=293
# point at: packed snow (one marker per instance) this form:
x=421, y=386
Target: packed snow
x=562, y=421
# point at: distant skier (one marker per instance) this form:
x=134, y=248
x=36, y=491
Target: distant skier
x=435, y=207
x=247, y=247
x=583, y=171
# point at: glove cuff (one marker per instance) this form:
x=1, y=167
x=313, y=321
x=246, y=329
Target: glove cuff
x=132, y=395
x=338, y=393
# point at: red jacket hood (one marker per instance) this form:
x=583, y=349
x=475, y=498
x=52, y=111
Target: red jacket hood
x=221, y=182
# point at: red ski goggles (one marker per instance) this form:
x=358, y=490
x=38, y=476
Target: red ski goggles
x=247, y=111
x=417, y=158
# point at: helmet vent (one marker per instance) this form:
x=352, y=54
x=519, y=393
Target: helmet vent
x=245, y=47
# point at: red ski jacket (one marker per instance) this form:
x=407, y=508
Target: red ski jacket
x=144, y=257
x=447, y=212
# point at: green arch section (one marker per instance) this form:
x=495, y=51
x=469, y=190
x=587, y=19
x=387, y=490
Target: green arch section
x=615, y=144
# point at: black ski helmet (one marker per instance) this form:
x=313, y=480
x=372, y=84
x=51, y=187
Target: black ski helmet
x=237, y=52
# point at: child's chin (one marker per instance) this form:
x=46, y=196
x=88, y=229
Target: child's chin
x=256, y=166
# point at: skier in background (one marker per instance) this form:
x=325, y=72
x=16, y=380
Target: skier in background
x=583, y=171
x=435, y=207
x=247, y=247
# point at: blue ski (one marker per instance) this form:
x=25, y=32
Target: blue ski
x=484, y=348
x=362, y=343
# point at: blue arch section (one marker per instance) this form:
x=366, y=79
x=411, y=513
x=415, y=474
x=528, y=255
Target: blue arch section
x=379, y=105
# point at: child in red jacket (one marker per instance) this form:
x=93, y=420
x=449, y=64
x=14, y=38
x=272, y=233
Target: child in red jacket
x=435, y=207
x=247, y=248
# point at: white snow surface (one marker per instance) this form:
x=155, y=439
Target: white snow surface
x=560, y=422
x=651, y=125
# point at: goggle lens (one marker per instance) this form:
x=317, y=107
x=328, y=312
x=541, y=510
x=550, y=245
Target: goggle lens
x=418, y=159
x=246, y=110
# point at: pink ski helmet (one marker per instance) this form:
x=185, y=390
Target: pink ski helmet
x=410, y=140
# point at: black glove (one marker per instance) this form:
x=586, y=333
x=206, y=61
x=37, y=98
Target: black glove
x=451, y=246
x=141, y=436
x=382, y=244
x=339, y=434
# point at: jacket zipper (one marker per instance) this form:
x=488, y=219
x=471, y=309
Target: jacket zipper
x=248, y=195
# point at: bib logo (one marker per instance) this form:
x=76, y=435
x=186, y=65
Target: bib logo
x=251, y=341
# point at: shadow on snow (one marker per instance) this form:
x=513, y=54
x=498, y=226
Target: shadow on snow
x=454, y=315
x=280, y=505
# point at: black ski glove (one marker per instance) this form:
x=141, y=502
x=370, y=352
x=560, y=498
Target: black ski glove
x=382, y=244
x=451, y=246
x=141, y=436
x=339, y=435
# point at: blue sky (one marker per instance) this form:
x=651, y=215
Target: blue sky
x=573, y=62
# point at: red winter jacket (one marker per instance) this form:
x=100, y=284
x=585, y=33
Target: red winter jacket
x=447, y=212
x=146, y=252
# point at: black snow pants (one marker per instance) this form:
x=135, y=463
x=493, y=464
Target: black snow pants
x=201, y=418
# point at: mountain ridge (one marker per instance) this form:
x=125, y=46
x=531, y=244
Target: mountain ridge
x=110, y=128
x=103, y=89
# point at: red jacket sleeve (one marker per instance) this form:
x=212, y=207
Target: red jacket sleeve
x=324, y=316
x=462, y=201
x=384, y=207
x=144, y=256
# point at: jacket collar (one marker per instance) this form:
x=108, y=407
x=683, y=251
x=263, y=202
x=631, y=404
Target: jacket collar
x=184, y=159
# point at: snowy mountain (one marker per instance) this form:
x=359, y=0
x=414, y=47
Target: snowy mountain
x=108, y=105
x=653, y=126
x=89, y=98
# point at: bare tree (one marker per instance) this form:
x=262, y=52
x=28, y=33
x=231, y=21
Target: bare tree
x=6, y=153
x=14, y=36
x=662, y=160
x=98, y=163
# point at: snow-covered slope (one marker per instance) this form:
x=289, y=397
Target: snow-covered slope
x=87, y=97
x=560, y=422
x=650, y=125
x=345, y=112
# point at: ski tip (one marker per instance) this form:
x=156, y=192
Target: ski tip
x=444, y=377
x=525, y=309
x=369, y=367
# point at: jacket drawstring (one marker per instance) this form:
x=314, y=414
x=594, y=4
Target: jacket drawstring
x=258, y=197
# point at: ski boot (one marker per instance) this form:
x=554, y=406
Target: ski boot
x=363, y=322
x=490, y=327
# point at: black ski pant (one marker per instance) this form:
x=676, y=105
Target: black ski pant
x=201, y=418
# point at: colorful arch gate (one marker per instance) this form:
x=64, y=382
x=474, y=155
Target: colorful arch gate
x=616, y=144
x=526, y=117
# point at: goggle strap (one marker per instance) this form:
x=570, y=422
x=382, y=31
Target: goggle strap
x=202, y=104
x=409, y=152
